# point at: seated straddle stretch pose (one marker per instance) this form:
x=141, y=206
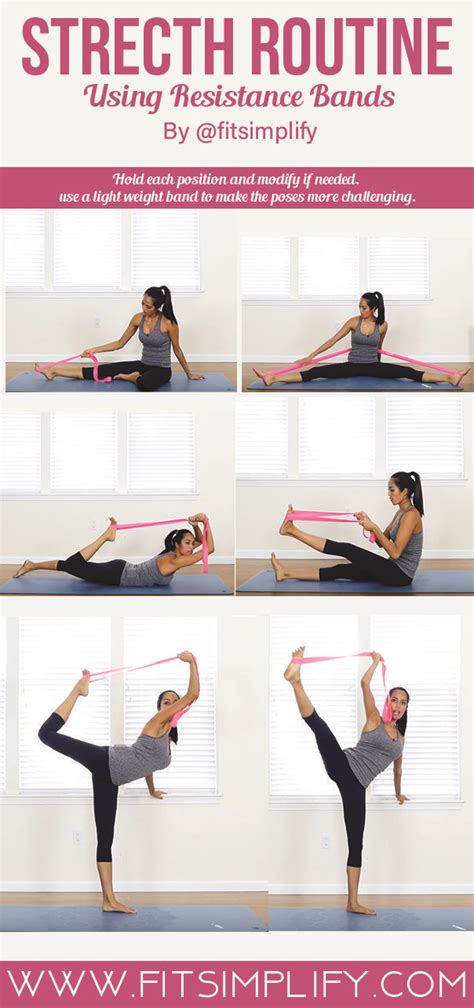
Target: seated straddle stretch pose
x=182, y=549
x=158, y=331
x=402, y=540
x=352, y=770
x=114, y=765
x=368, y=331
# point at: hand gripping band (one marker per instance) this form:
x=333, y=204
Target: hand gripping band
x=95, y=676
x=387, y=707
x=328, y=516
x=173, y=521
x=340, y=353
x=95, y=366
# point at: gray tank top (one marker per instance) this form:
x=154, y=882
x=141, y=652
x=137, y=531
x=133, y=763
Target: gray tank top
x=373, y=753
x=156, y=345
x=411, y=556
x=144, y=575
x=130, y=762
x=364, y=348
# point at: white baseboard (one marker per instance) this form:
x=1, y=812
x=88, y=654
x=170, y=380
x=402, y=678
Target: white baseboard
x=438, y=554
x=374, y=889
x=285, y=359
x=217, y=358
x=210, y=886
x=213, y=560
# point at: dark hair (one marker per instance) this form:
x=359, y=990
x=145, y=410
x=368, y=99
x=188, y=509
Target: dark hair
x=174, y=538
x=376, y=303
x=161, y=297
x=173, y=731
x=411, y=482
x=402, y=723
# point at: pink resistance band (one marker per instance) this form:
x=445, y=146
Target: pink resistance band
x=92, y=357
x=387, y=707
x=340, y=353
x=328, y=516
x=95, y=676
x=173, y=521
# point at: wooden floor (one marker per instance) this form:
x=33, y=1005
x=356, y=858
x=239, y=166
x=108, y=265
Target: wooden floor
x=246, y=569
x=433, y=899
x=229, y=370
x=256, y=901
x=248, y=377
x=224, y=571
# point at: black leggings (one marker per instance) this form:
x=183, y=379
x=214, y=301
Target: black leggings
x=349, y=370
x=108, y=573
x=351, y=790
x=150, y=380
x=96, y=759
x=363, y=566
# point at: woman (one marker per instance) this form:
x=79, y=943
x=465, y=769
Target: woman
x=112, y=766
x=402, y=540
x=158, y=331
x=182, y=549
x=354, y=769
x=368, y=331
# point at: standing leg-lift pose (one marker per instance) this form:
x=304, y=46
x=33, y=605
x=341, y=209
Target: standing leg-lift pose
x=352, y=770
x=402, y=540
x=112, y=766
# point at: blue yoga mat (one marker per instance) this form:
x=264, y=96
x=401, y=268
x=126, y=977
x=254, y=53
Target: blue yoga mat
x=31, y=381
x=149, y=918
x=46, y=583
x=426, y=582
x=362, y=384
x=386, y=919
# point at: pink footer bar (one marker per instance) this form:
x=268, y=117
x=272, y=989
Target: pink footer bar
x=234, y=188
x=242, y=984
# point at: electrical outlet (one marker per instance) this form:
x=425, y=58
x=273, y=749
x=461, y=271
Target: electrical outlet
x=325, y=841
x=76, y=837
x=93, y=524
x=97, y=322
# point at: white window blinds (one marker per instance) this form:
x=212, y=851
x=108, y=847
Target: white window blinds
x=20, y=453
x=328, y=268
x=165, y=249
x=87, y=249
x=161, y=453
x=265, y=267
x=399, y=268
x=347, y=446
x=262, y=437
x=3, y=669
x=425, y=434
x=84, y=452
x=24, y=249
x=423, y=656
x=193, y=762
x=52, y=654
x=296, y=768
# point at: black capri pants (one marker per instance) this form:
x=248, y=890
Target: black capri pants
x=96, y=760
x=349, y=370
x=363, y=566
x=150, y=380
x=108, y=573
x=351, y=790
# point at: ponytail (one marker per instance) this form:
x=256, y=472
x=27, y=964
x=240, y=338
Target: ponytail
x=375, y=301
x=411, y=482
x=161, y=297
x=173, y=539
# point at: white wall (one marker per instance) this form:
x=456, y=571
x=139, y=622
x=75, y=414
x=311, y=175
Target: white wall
x=52, y=326
x=440, y=330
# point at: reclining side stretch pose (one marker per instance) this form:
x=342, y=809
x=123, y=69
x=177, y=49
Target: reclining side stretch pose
x=114, y=765
x=158, y=331
x=368, y=331
x=402, y=540
x=352, y=770
x=182, y=549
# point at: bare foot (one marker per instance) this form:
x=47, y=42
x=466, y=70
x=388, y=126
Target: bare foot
x=261, y=375
x=25, y=567
x=82, y=684
x=47, y=372
x=455, y=379
x=112, y=530
x=358, y=908
x=132, y=377
x=113, y=906
x=287, y=525
x=277, y=568
x=293, y=673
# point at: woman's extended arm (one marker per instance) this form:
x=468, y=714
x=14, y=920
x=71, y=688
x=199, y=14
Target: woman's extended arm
x=397, y=780
x=343, y=331
x=172, y=329
x=404, y=534
x=117, y=344
x=162, y=719
x=371, y=713
x=151, y=788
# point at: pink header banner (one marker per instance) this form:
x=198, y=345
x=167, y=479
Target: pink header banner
x=241, y=984
x=234, y=188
